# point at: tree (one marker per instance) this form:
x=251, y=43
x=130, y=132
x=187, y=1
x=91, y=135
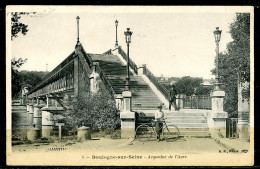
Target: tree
x=203, y=90
x=18, y=26
x=234, y=64
x=186, y=85
x=15, y=64
x=97, y=110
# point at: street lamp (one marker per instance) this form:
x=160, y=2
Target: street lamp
x=78, y=28
x=128, y=34
x=217, y=34
x=116, y=23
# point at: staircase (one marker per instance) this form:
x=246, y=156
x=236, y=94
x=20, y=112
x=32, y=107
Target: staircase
x=143, y=98
x=190, y=122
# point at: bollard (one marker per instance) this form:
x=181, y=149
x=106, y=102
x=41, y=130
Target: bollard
x=84, y=133
x=33, y=134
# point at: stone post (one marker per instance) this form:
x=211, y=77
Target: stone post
x=119, y=102
x=94, y=79
x=27, y=108
x=243, y=114
x=76, y=76
x=140, y=69
x=37, y=116
x=179, y=101
x=217, y=117
x=47, y=122
x=30, y=114
x=127, y=117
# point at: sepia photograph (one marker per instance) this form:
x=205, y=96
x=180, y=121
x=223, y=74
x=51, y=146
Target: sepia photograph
x=130, y=85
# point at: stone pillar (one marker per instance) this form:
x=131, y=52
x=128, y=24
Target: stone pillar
x=179, y=101
x=84, y=133
x=30, y=115
x=47, y=122
x=119, y=102
x=47, y=101
x=94, y=79
x=217, y=117
x=127, y=117
x=27, y=108
x=37, y=116
x=140, y=69
x=243, y=114
x=217, y=99
x=76, y=76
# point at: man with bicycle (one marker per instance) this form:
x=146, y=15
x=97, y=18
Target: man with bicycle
x=158, y=122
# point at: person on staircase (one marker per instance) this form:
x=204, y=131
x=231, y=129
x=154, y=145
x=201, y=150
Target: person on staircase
x=159, y=122
x=173, y=94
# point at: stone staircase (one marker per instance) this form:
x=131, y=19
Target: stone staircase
x=191, y=123
x=143, y=98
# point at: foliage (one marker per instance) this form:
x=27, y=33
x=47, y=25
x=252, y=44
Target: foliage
x=96, y=110
x=186, y=85
x=203, y=90
x=18, y=26
x=15, y=64
x=25, y=78
x=234, y=64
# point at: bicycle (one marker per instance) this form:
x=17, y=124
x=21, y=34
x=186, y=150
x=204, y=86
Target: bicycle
x=145, y=132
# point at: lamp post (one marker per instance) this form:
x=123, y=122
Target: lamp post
x=116, y=23
x=217, y=34
x=78, y=28
x=128, y=34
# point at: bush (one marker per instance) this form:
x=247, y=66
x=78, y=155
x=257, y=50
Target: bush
x=97, y=111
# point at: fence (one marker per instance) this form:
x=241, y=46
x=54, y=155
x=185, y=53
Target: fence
x=231, y=125
x=197, y=102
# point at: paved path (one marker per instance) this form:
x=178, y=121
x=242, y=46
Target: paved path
x=184, y=145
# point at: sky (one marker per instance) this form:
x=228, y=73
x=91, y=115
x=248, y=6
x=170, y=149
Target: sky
x=172, y=44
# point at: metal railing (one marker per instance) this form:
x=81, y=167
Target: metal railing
x=131, y=63
x=154, y=80
x=197, y=102
x=231, y=125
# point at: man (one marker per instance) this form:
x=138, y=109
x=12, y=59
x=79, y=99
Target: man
x=158, y=122
x=173, y=94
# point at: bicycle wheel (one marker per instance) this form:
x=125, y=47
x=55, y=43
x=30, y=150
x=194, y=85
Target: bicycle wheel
x=170, y=133
x=143, y=133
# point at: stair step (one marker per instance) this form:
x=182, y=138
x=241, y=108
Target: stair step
x=182, y=114
x=189, y=125
x=186, y=121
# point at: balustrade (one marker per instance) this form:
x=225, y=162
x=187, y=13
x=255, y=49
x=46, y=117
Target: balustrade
x=154, y=80
x=197, y=102
x=131, y=63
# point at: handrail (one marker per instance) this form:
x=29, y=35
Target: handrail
x=105, y=81
x=197, y=102
x=131, y=63
x=87, y=57
x=57, y=69
x=154, y=80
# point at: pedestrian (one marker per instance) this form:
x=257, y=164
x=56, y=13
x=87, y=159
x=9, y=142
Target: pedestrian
x=159, y=122
x=173, y=94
